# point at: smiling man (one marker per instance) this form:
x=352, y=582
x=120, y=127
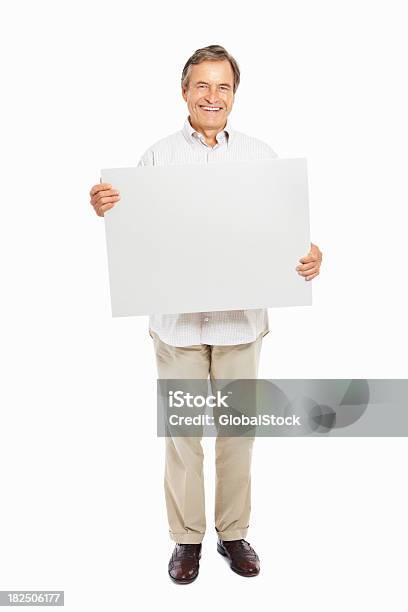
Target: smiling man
x=219, y=345
x=209, y=92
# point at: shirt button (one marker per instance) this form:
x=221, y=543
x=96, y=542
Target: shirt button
x=206, y=319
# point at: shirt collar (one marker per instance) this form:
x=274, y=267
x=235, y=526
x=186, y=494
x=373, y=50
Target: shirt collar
x=192, y=135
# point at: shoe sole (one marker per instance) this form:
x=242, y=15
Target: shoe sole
x=224, y=554
x=182, y=581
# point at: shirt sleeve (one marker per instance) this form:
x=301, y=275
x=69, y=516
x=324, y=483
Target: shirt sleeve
x=270, y=152
x=147, y=159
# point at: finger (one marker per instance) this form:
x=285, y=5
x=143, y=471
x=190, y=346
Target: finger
x=310, y=271
x=103, y=194
x=102, y=201
x=104, y=208
x=99, y=187
x=307, y=266
x=99, y=206
x=111, y=200
x=316, y=253
x=308, y=278
x=308, y=258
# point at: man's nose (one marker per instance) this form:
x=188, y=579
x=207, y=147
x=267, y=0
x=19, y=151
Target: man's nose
x=212, y=96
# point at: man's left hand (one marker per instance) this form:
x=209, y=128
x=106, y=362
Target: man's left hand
x=310, y=264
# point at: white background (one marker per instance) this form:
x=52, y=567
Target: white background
x=91, y=85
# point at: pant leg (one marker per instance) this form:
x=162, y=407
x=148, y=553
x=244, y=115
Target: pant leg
x=233, y=454
x=184, y=478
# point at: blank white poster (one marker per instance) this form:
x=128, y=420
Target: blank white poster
x=205, y=237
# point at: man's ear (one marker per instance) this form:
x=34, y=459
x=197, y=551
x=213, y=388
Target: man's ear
x=183, y=93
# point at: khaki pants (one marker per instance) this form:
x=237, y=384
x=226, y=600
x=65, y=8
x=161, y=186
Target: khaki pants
x=184, y=479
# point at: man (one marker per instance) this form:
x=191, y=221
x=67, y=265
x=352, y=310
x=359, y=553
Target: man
x=222, y=345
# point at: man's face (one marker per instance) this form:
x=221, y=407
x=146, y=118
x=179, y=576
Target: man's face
x=211, y=85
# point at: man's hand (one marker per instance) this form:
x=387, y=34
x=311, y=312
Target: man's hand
x=103, y=198
x=310, y=264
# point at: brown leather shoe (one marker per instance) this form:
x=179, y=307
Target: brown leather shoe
x=242, y=557
x=184, y=563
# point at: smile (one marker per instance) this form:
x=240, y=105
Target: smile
x=211, y=109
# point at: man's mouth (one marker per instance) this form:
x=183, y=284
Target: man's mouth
x=211, y=109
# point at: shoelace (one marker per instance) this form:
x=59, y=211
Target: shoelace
x=187, y=550
x=239, y=544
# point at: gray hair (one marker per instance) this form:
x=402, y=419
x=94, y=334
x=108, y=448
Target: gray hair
x=212, y=53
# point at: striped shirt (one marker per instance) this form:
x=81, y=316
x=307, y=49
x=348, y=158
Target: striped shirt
x=225, y=327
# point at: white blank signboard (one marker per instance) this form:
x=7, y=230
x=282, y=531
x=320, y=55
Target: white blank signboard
x=205, y=237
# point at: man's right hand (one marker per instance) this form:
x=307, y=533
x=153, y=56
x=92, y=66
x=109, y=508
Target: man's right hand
x=103, y=197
